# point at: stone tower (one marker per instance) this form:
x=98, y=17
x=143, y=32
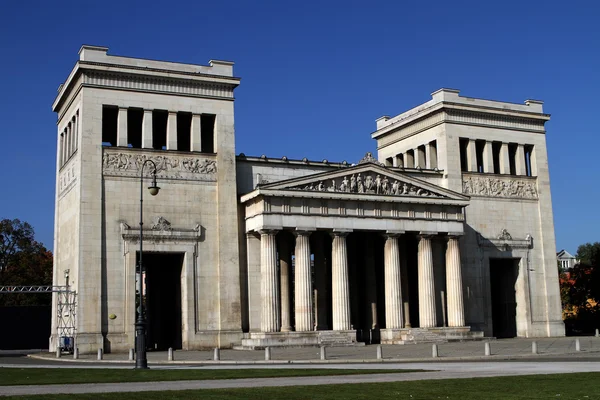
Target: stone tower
x=113, y=114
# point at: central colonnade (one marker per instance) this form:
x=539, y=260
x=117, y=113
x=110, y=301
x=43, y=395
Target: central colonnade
x=306, y=285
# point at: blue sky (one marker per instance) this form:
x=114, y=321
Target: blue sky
x=315, y=76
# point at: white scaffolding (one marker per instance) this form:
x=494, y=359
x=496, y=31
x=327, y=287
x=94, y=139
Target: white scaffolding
x=66, y=307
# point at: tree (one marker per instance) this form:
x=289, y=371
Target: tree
x=580, y=289
x=23, y=261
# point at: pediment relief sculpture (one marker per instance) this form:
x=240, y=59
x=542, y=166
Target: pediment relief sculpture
x=367, y=183
x=368, y=158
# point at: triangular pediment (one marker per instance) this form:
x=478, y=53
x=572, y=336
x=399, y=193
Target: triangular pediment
x=365, y=179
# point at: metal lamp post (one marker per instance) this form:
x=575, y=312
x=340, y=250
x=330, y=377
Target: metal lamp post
x=140, y=325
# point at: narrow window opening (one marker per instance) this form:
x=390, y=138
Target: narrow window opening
x=496, y=146
x=422, y=156
x=159, y=129
x=464, y=144
x=512, y=157
x=528, y=156
x=110, y=115
x=433, y=162
x=184, y=123
x=400, y=160
x=135, y=119
x=389, y=162
x=207, y=126
x=479, y=146
x=410, y=159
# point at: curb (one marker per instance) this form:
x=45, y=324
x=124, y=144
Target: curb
x=312, y=362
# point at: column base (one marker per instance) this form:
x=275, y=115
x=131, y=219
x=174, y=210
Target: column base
x=429, y=335
x=260, y=340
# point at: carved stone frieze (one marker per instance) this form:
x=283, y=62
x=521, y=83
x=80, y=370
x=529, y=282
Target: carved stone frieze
x=125, y=163
x=499, y=186
x=367, y=183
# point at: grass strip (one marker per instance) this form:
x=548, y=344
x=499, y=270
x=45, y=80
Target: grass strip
x=582, y=386
x=48, y=376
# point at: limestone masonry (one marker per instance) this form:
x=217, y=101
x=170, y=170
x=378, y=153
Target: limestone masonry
x=445, y=234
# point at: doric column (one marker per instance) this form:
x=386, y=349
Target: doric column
x=456, y=313
x=409, y=160
x=320, y=283
x=285, y=268
x=147, y=130
x=196, y=133
x=269, y=289
x=504, y=159
x=472, y=156
x=76, y=136
x=488, y=158
x=69, y=140
x=427, y=316
x=303, y=280
x=61, y=148
x=65, y=146
x=172, y=131
x=339, y=286
x=393, y=289
x=122, y=128
x=520, y=160
x=417, y=157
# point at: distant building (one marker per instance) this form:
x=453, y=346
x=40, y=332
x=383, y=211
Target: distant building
x=566, y=259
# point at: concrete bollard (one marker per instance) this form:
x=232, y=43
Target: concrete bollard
x=597, y=333
x=488, y=349
x=577, y=345
x=434, y=351
x=267, y=353
x=379, y=352
x=58, y=352
x=99, y=354
x=170, y=354
x=534, y=349
x=323, y=353
x=131, y=355
x=76, y=353
x=216, y=354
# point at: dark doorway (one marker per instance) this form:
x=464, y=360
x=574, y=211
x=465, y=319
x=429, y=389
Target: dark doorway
x=503, y=276
x=163, y=299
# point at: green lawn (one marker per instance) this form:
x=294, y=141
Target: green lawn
x=43, y=376
x=584, y=386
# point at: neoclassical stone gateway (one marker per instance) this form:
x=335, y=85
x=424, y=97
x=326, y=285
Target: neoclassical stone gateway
x=446, y=233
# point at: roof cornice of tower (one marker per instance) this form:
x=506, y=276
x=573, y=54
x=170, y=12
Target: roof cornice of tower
x=96, y=59
x=449, y=99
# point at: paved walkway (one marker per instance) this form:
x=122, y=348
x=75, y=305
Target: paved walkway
x=500, y=349
x=436, y=371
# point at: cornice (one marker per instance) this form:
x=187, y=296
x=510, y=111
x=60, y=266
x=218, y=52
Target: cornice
x=478, y=111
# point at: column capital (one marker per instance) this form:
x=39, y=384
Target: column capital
x=455, y=235
x=252, y=234
x=340, y=232
x=393, y=234
x=172, y=112
x=427, y=234
x=303, y=232
x=268, y=231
